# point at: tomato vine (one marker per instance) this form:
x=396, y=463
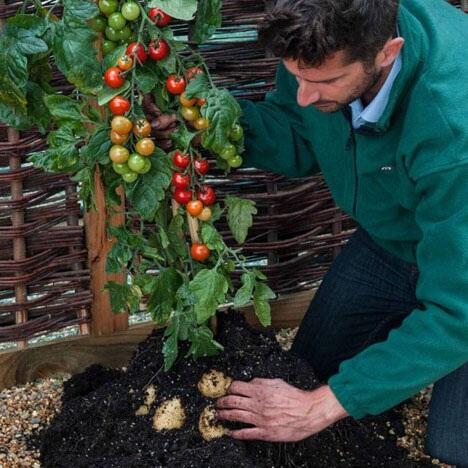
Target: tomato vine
x=176, y=258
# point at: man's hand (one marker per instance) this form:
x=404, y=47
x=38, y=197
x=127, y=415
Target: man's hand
x=279, y=411
x=163, y=125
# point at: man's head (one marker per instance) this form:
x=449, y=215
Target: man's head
x=338, y=50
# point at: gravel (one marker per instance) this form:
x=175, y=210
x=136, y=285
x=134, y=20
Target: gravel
x=25, y=410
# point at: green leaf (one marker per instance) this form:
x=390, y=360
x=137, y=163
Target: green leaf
x=208, y=19
x=148, y=191
x=202, y=343
x=262, y=295
x=170, y=348
x=180, y=9
x=240, y=216
x=146, y=79
x=97, y=149
x=245, y=292
x=163, y=299
x=118, y=258
x=185, y=297
x=63, y=107
x=212, y=238
x=183, y=137
x=210, y=288
x=75, y=56
x=222, y=111
x=107, y=94
x=198, y=86
x=24, y=34
x=177, y=237
x=122, y=297
x=37, y=110
x=79, y=11
x=13, y=79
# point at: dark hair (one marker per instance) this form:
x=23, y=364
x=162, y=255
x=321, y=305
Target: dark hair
x=311, y=30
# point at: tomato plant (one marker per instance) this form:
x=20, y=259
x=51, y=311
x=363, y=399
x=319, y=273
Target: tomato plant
x=167, y=192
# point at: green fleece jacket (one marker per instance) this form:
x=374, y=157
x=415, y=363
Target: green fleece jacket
x=417, y=210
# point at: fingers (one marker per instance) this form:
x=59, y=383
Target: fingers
x=252, y=433
x=149, y=106
x=164, y=121
x=166, y=144
x=165, y=134
x=235, y=402
x=242, y=388
x=238, y=415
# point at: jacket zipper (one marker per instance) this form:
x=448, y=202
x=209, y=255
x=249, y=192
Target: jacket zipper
x=351, y=144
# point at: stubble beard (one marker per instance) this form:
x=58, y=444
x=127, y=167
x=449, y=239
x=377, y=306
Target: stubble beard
x=371, y=78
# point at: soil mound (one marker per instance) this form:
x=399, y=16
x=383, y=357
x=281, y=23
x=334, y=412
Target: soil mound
x=99, y=428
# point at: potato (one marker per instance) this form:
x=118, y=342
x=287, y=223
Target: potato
x=214, y=384
x=208, y=425
x=150, y=395
x=170, y=415
x=143, y=410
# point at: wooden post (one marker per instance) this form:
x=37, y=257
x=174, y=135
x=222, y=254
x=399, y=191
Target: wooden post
x=103, y=321
x=19, y=243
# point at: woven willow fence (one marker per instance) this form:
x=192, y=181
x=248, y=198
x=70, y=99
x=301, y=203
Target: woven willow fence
x=44, y=279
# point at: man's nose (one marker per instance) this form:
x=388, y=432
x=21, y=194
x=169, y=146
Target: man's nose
x=307, y=95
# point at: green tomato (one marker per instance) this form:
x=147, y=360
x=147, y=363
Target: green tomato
x=136, y=162
x=108, y=6
x=112, y=34
x=236, y=133
x=235, y=161
x=147, y=166
x=108, y=47
x=120, y=169
x=117, y=21
x=228, y=151
x=130, y=177
x=131, y=11
x=99, y=24
x=124, y=34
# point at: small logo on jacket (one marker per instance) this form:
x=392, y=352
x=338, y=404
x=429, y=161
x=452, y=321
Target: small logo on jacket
x=386, y=168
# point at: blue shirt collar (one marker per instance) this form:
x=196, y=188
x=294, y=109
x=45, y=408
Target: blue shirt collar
x=375, y=109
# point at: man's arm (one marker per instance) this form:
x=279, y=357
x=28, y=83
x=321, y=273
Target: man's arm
x=276, y=137
x=433, y=342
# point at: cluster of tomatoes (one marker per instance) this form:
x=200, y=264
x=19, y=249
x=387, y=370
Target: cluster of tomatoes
x=196, y=202
x=114, y=24
x=130, y=165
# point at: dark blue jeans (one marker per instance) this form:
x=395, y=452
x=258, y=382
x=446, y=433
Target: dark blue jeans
x=366, y=293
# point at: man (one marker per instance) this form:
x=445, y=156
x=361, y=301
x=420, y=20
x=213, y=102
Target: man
x=375, y=95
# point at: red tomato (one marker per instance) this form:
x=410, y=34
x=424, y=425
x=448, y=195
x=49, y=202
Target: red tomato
x=206, y=195
x=119, y=105
x=195, y=207
x=137, y=49
x=182, y=196
x=158, y=50
x=180, y=181
x=200, y=252
x=113, y=77
x=181, y=160
x=159, y=18
x=175, y=84
x=202, y=166
x=192, y=71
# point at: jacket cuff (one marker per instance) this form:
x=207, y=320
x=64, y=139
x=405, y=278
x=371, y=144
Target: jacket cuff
x=344, y=395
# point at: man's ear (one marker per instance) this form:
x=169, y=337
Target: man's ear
x=389, y=52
